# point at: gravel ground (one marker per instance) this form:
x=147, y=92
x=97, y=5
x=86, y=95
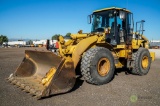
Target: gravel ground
x=122, y=90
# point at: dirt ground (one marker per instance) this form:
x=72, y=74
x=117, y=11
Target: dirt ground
x=122, y=90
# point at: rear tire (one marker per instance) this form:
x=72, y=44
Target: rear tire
x=141, y=62
x=97, y=66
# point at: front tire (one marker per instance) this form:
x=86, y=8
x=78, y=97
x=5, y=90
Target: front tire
x=141, y=62
x=97, y=66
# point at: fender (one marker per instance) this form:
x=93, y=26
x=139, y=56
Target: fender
x=82, y=46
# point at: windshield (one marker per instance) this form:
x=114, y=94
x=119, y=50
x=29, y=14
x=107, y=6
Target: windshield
x=102, y=20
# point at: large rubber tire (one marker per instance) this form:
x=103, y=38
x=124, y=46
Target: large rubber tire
x=138, y=57
x=91, y=61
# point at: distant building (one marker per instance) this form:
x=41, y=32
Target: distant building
x=37, y=42
x=20, y=43
x=154, y=43
x=43, y=42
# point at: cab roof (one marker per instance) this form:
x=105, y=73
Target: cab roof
x=111, y=8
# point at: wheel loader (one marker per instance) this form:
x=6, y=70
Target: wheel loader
x=111, y=44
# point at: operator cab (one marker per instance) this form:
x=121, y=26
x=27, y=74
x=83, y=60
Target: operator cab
x=116, y=23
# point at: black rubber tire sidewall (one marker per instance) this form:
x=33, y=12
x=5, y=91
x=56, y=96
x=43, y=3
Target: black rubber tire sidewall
x=137, y=63
x=143, y=53
x=98, y=79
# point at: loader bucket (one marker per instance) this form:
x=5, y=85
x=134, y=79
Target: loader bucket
x=42, y=73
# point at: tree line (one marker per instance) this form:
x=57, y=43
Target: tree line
x=55, y=37
x=4, y=38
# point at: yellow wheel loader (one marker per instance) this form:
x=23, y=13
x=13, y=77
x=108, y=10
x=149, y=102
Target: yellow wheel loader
x=111, y=44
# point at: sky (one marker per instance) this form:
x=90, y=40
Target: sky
x=41, y=19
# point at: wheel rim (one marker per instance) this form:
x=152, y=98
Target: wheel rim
x=103, y=66
x=145, y=62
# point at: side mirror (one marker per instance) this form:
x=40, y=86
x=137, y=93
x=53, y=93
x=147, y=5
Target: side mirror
x=89, y=19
